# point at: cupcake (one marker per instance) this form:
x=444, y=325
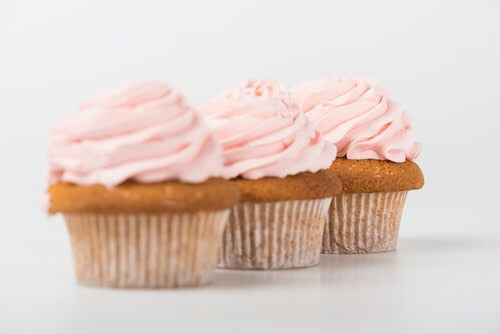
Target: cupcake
x=135, y=175
x=375, y=149
x=276, y=159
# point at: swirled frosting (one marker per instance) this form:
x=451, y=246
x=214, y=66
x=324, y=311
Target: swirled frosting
x=143, y=132
x=358, y=116
x=263, y=133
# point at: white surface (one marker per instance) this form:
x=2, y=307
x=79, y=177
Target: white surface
x=445, y=281
x=439, y=60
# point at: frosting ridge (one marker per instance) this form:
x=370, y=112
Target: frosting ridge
x=263, y=133
x=358, y=116
x=144, y=132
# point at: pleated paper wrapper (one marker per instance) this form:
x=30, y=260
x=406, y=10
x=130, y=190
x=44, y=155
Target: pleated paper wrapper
x=145, y=250
x=363, y=223
x=273, y=235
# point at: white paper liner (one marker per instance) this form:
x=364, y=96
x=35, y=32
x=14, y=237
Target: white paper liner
x=363, y=222
x=274, y=235
x=145, y=250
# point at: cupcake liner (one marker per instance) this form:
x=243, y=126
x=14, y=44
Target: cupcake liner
x=273, y=235
x=363, y=222
x=145, y=250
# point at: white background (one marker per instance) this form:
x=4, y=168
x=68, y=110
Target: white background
x=439, y=59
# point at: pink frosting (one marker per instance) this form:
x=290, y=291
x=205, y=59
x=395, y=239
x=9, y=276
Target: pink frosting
x=358, y=116
x=143, y=132
x=263, y=133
